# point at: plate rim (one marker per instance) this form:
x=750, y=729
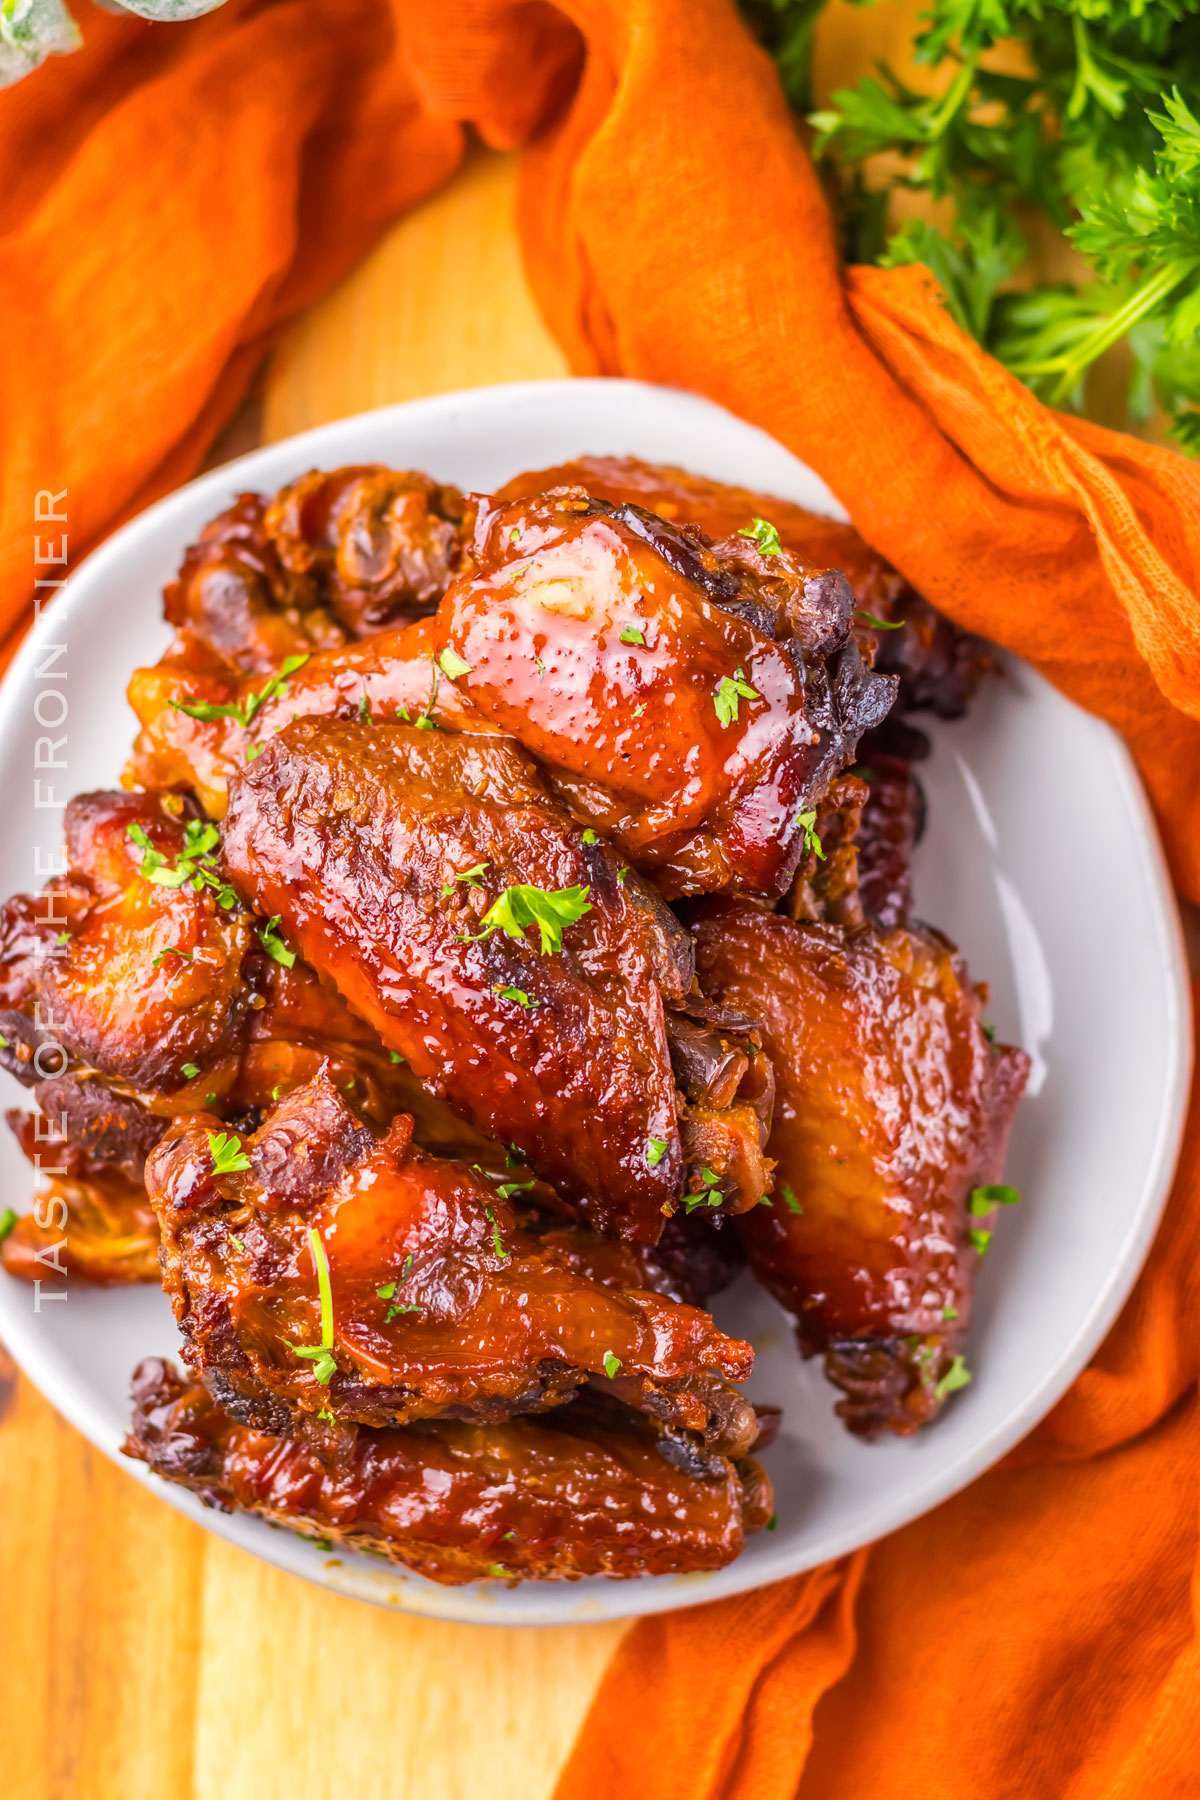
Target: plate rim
x=286, y=1550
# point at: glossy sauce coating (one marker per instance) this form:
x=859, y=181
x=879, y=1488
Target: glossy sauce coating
x=892, y=1105
x=353, y=832
x=627, y=655
x=478, y=1318
x=578, y=1492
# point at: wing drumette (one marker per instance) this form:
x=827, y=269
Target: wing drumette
x=318, y=1272
x=891, y=1123
x=583, y=1491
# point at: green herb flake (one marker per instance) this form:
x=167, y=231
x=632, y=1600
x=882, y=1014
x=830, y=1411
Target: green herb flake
x=807, y=821
x=320, y=1355
x=773, y=1521
x=469, y=878
x=191, y=1070
x=228, y=1157
x=395, y=1056
x=244, y=710
x=497, y=1240
x=957, y=1376
x=521, y=907
x=730, y=690
x=183, y=955
x=8, y=1223
x=987, y=1199
x=632, y=634
x=979, y=1240
x=881, y=624
x=273, y=944
x=764, y=536
x=612, y=1364
x=656, y=1149
x=515, y=994
x=453, y=665
x=236, y=1241
x=949, y=1314
x=590, y=837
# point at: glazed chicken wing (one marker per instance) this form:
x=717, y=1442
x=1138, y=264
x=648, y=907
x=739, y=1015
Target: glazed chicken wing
x=582, y=1491
x=892, y=1117
x=332, y=556
x=317, y=1272
x=511, y=958
x=693, y=702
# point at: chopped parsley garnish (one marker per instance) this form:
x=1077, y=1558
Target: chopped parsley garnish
x=541, y=667
x=64, y=937
x=191, y=1070
x=623, y=875
x=731, y=689
x=498, y=1572
x=243, y=710
x=183, y=955
x=196, y=864
x=773, y=1521
x=709, y=1195
x=949, y=1313
x=236, y=1241
x=252, y=751
x=8, y=1222
x=979, y=1240
x=632, y=634
x=957, y=1376
x=395, y=1056
x=364, y=707
x=514, y=1156
x=807, y=821
x=469, y=877
x=388, y=1292
x=452, y=665
x=516, y=994
x=273, y=944
x=986, y=1199
x=612, y=1364
x=497, y=1240
x=790, y=1200
x=507, y=1189
x=764, y=536
x=989, y=1032
x=590, y=837
x=520, y=907
x=3, y=1041
x=639, y=710
x=881, y=624
x=656, y=1149
x=320, y=1355
x=228, y=1157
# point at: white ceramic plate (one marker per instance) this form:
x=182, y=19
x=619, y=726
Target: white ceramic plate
x=1040, y=858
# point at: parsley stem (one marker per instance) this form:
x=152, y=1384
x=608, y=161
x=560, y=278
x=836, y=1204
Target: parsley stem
x=324, y=1287
x=1143, y=300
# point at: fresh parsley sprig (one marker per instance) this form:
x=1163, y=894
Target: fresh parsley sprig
x=243, y=710
x=519, y=908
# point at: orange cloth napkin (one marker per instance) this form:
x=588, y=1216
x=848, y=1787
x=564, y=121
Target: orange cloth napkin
x=171, y=194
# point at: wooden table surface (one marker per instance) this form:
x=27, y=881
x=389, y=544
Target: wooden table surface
x=141, y=1657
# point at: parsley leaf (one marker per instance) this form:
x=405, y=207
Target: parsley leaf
x=183, y=955
x=244, y=710
x=590, y=837
x=957, y=1376
x=516, y=994
x=612, y=1364
x=273, y=944
x=790, y=1200
x=470, y=877
x=881, y=624
x=986, y=1199
x=730, y=689
x=453, y=665
x=228, y=1157
x=807, y=821
x=519, y=908
x=764, y=535
x=8, y=1222
x=632, y=634
x=979, y=1240
x=191, y=1070
x=656, y=1149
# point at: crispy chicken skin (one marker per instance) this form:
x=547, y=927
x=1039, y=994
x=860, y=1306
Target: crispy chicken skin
x=583, y=1491
x=439, y=1304
x=383, y=848
x=694, y=701
x=892, y=1106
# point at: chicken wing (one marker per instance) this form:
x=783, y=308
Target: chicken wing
x=319, y=1273
x=409, y=867
x=582, y=1491
x=892, y=1118
x=695, y=702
